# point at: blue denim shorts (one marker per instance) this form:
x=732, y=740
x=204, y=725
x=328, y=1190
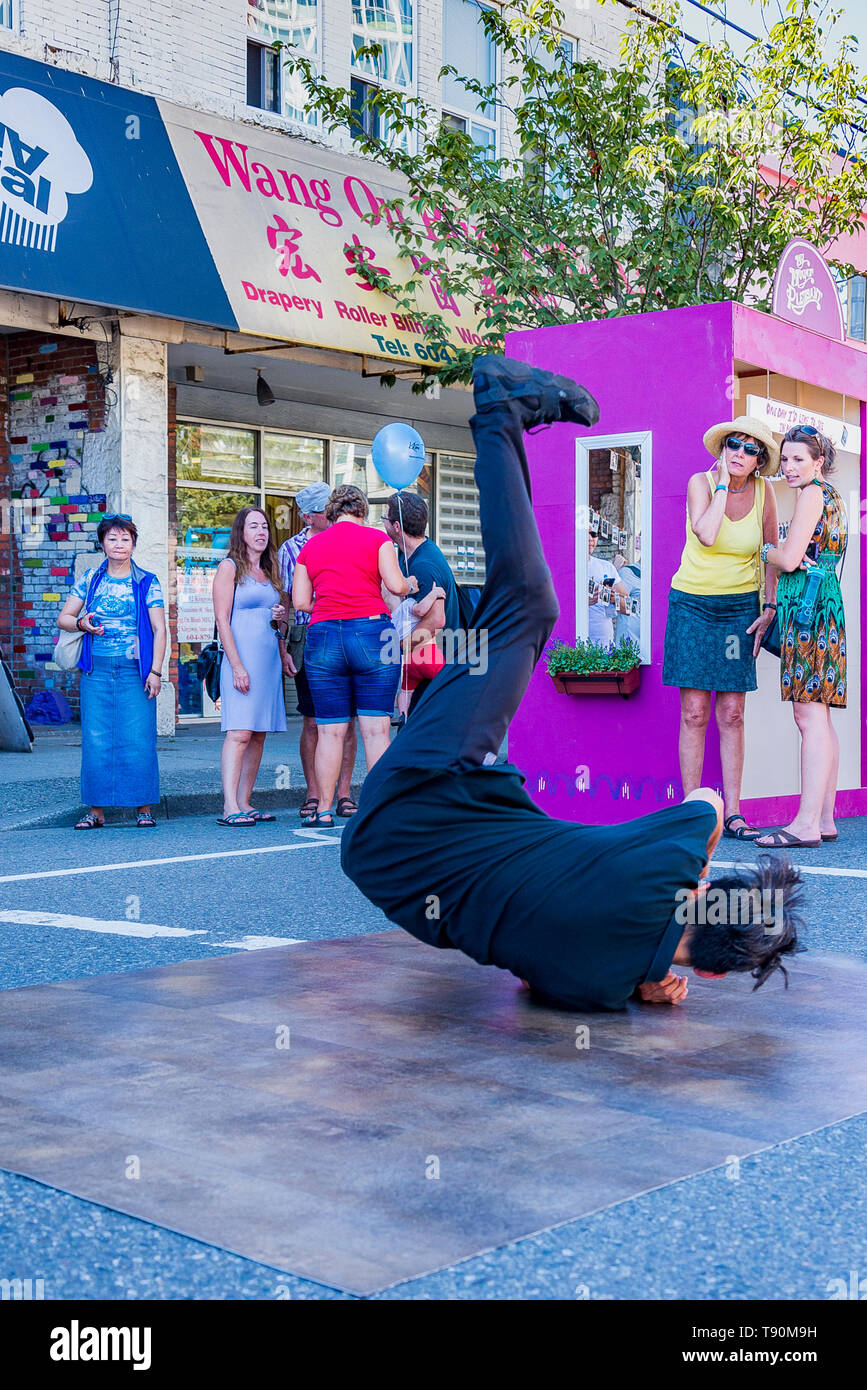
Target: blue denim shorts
x=350, y=659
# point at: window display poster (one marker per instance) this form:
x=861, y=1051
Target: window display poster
x=195, y=606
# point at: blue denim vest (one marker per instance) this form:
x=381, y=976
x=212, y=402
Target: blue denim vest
x=141, y=582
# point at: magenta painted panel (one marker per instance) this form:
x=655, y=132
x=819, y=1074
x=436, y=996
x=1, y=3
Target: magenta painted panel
x=669, y=373
x=804, y=291
x=769, y=342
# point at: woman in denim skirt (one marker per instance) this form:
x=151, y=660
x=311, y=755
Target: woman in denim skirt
x=119, y=608
x=715, y=619
x=352, y=650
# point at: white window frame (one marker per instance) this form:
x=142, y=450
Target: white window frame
x=253, y=36
x=474, y=116
x=14, y=23
x=644, y=440
x=371, y=78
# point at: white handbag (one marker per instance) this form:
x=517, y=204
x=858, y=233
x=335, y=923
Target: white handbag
x=67, y=649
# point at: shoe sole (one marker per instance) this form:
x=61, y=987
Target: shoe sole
x=510, y=372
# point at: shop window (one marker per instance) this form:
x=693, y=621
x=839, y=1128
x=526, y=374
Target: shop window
x=468, y=49
x=388, y=24
x=459, y=536
x=290, y=462
x=294, y=24
x=612, y=540
x=216, y=454
x=204, y=521
x=351, y=464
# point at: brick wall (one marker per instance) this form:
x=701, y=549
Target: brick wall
x=53, y=401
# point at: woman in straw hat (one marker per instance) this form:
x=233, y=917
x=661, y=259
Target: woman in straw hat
x=715, y=618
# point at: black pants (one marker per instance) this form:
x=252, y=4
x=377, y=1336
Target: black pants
x=465, y=711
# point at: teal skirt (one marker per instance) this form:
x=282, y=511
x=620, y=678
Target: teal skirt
x=706, y=642
x=118, y=735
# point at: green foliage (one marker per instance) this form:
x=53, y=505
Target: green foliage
x=673, y=176
x=588, y=657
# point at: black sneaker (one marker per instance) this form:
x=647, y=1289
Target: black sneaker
x=544, y=398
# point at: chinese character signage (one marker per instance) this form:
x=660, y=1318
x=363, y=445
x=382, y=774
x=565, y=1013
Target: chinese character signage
x=92, y=203
x=805, y=292
x=286, y=224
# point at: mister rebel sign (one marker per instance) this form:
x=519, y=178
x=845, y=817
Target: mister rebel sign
x=805, y=292
x=286, y=223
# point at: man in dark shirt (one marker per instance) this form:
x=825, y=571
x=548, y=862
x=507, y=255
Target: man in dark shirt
x=452, y=848
x=405, y=521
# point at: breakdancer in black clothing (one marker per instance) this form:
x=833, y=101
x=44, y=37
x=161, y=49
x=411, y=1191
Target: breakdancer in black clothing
x=451, y=847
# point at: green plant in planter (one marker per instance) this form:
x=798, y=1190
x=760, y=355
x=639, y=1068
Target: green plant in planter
x=586, y=658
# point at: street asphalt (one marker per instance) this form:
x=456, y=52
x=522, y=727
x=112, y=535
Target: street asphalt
x=790, y=1225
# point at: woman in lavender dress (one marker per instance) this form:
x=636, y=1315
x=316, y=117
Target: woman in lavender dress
x=247, y=597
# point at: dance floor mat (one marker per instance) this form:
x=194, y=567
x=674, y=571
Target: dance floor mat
x=363, y=1110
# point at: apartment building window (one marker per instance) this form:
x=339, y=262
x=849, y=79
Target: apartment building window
x=388, y=23
x=467, y=48
x=271, y=86
x=853, y=298
x=8, y=15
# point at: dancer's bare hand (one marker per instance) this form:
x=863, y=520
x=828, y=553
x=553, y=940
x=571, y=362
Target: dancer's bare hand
x=241, y=679
x=672, y=990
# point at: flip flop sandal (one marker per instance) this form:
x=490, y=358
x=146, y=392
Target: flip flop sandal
x=144, y=820
x=237, y=818
x=829, y=839
x=89, y=822
x=309, y=807
x=261, y=815
x=784, y=839
x=325, y=821
x=744, y=833
x=342, y=803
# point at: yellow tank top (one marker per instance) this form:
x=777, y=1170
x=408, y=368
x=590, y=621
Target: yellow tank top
x=731, y=564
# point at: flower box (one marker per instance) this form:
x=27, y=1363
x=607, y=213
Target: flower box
x=623, y=683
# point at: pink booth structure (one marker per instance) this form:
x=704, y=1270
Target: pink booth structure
x=661, y=380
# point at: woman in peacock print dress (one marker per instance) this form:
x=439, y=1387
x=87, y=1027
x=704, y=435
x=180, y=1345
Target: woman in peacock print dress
x=813, y=650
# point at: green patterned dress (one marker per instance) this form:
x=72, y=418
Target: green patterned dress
x=813, y=662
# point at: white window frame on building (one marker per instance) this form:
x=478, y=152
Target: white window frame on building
x=853, y=298
x=482, y=126
x=9, y=14
x=281, y=14
x=363, y=80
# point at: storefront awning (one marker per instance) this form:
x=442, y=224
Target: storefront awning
x=93, y=207
x=284, y=220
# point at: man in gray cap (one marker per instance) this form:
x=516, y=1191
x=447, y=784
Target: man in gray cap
x=311, y=502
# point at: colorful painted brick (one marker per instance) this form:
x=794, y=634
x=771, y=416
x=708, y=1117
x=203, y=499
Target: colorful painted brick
x=48, y=400
x=48, y=347
x=25, y=379
x=51, y=597
x=68, y=380
x=21, y=396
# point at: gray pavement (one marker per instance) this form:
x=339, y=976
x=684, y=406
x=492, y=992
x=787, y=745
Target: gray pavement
x=788, y=1224
x=41, y=788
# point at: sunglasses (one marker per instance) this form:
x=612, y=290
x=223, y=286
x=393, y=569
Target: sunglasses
x=807, y=429
x=116, y=516
x=751, y=450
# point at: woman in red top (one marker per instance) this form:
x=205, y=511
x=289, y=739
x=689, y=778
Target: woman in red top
x=351, y=649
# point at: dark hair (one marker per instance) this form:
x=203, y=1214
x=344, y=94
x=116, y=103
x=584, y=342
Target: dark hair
x=109, y=523
x=728, y=942
x=346, y=500
x=412, y=508
x=816, y=443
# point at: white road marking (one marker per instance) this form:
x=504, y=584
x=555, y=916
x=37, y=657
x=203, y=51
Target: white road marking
x=804, y=868
x=311, y=839
x=112, y=928
x=258, y=943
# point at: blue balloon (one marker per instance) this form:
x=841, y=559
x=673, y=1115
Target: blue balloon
x=398, y=454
